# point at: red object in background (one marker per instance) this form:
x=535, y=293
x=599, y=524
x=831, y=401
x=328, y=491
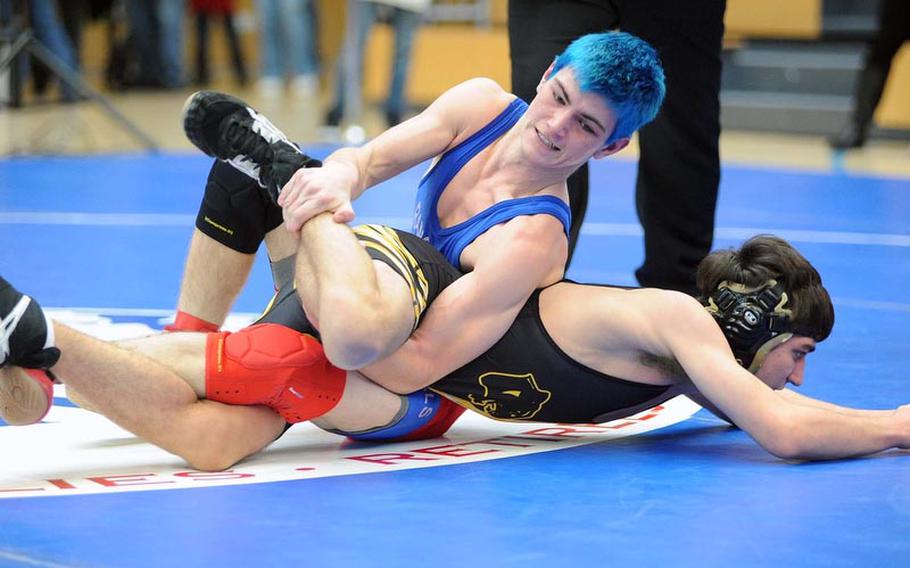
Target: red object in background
x=212, y=5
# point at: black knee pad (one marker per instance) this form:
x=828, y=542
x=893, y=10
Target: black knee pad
x=235, y=211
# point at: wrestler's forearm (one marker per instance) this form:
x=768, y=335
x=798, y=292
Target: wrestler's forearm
x=799, y=398
x=356, y=162
x=403, y=372
x=783, y=427
x=819, y=434
x=401, y=147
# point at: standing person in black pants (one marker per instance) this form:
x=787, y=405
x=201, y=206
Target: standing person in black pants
x=893, y=31
x=679, y=167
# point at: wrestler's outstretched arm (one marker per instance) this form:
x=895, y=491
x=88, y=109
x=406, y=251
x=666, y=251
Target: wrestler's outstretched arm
x=799, y=398
x=784, y=426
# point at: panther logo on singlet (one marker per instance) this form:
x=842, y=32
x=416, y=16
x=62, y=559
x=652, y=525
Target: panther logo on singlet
x=510, y=397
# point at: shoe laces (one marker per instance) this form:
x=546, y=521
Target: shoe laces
x=243, y=140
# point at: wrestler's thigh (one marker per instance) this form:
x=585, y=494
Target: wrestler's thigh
x=182, y=353
x=398, y=304
x=363, y=406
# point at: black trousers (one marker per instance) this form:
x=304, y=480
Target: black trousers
x=893, y=31
x=679, y=167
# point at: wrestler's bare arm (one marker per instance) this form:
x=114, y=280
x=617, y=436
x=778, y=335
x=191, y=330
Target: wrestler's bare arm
x=473, y=313
x=700, y=400
x=347, y=173
x=780, y=425
x=800, y=398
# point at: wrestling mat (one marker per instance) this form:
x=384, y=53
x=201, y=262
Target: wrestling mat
x=84, y=453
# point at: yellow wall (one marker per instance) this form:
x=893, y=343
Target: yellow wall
x=793, y=19
x=446, y=55
x=894, y=110
x=443, y=56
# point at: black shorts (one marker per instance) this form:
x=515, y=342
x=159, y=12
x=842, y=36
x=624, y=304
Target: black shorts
x=235, y=211
x=424, y=268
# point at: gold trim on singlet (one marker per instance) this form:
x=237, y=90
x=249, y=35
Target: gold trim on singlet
x=271, y=304
x=386, y=241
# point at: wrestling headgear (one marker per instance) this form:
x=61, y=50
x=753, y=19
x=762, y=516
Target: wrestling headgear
x=754, y=320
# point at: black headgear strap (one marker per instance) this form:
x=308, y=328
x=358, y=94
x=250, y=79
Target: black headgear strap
x=754, y=320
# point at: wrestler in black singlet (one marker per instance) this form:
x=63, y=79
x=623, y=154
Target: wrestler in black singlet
x=423, y=267
x=526, y=376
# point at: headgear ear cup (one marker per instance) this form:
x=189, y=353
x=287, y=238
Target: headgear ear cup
x=754, y=320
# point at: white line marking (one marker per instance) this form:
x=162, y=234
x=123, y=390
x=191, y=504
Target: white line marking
x=97, y=219
x=793, y=235
x=13, y=557
x=138, y=312
x=871, y=305
x=590, y=228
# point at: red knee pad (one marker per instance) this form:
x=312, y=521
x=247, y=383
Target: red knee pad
x=446, y=415
x=275, y=366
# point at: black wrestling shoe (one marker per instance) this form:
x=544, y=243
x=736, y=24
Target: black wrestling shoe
x=226, y=128
x=26, y=333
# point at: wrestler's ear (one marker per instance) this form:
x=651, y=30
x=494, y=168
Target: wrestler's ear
x=546, y=75
x=611, y=148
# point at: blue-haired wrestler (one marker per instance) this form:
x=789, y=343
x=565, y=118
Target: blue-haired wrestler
x=494, y=203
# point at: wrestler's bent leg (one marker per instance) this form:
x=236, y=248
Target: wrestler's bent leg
x=272, y=360
x=363, y=309
x=156, y=404
x=234, y=217
x=212, y=279
x=364, y=410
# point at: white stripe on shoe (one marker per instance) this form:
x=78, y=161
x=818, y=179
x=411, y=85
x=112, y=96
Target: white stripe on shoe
x=8, y=326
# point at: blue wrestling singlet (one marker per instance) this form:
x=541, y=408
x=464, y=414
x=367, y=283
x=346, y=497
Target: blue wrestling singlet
x=451, y=241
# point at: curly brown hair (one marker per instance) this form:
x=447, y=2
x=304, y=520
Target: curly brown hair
x=766, y=257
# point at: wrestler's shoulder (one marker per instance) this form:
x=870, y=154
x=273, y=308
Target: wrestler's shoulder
x=479, y=91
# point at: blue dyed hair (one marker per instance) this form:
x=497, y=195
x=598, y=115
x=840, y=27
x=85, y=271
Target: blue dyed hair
x=623, y=69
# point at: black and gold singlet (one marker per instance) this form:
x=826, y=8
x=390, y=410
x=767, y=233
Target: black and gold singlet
x=526, y=376
x=423, y=267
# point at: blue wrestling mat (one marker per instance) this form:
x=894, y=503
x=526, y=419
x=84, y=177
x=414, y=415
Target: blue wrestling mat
x=102, y=240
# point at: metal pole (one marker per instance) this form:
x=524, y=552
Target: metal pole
x=351, y=55
x=26, y=41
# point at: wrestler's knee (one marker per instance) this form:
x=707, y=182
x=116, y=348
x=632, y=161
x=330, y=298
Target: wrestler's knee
x=275, y=366
x=204, y=459
x=356, y=330
x=208, y=457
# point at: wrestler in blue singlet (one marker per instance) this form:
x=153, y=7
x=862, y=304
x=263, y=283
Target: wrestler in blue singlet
x=451, y=241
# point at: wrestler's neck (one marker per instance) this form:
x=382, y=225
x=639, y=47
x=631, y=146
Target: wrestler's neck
x=509, y=165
